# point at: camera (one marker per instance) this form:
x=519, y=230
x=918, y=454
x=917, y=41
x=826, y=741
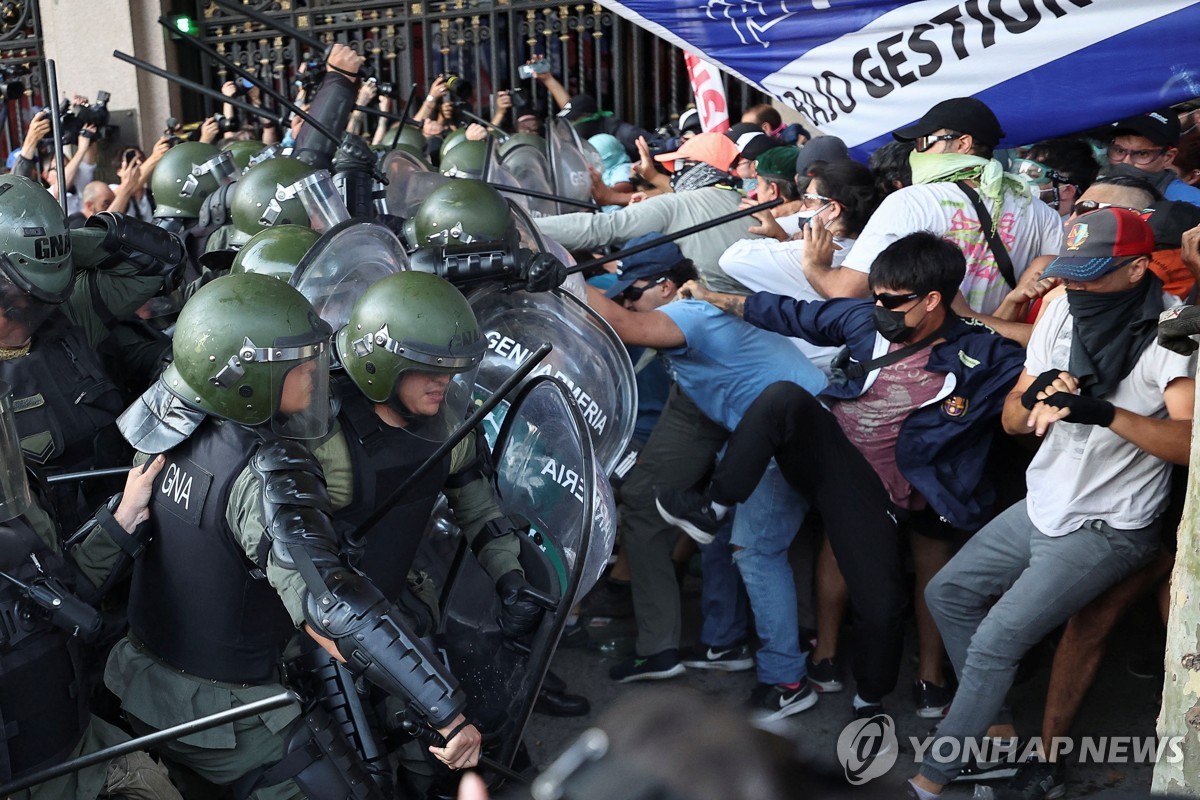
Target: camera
x=459, y=87
x=243, y=86
x=385, y=89
x=527, y=71
x=226, y=124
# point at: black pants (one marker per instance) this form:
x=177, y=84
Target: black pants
x=788, y=424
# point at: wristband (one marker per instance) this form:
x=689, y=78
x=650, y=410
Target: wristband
x=340, y=71
x=431, y=99
x=457, y=730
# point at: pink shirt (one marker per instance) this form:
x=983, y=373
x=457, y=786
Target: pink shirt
x=872, y=421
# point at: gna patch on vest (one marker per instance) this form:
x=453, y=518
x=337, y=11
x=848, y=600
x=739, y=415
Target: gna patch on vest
x=955, y=406
x=182, y=489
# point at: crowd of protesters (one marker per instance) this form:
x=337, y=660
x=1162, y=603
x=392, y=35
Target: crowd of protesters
x=942, y=359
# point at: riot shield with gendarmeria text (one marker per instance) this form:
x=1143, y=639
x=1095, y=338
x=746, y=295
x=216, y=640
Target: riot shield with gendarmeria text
x=546, y=473
x=568, y=163
x=588, y=357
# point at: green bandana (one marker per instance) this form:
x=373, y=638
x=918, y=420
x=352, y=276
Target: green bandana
x=987, y=174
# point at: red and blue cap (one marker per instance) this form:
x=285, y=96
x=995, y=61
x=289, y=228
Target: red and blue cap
x=1100, y=241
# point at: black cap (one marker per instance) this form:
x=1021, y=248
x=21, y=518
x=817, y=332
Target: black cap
x=579, y=106
x=750, y=140
x=958, y=114
x=1161, y=127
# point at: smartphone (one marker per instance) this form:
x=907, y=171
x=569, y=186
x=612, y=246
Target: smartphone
x=537, y=67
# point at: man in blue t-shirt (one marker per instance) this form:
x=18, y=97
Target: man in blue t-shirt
x=720, y=365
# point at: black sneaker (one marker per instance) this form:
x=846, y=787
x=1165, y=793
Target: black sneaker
x=690, y=511
x=657, y=667
x=866, y=711
x=1035, y=780
x=733, y=658
x=932, y=701
x=769, y=702
x=825, y=675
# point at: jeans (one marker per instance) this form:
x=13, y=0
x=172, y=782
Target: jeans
x=764, y=527
x=1042, y=581
x=818, y=461
x=723, y=603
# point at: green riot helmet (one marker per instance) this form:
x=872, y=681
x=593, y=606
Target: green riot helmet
x=251, y=349
x=414, y=324
x=242, y=152
x=35, y=250
x=523, y=138
x=412, y=140
x=467, y=160
x=452, y=140
x=255, y=204
x=178, y=191
x=275, y=251
x=462, y=211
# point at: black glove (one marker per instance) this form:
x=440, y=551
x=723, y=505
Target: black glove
x=543, y=272
x=1176, y=327
x=1084, y=410
x=1030, y=397
x=519, y=615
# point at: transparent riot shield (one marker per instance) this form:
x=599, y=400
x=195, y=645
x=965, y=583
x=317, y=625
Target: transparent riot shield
x=347, y=259
x=399, y=166
x=547, y=473
x=528, y=168
x=569, y=164
x=588, y=357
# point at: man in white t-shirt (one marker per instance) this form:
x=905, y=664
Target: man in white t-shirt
x=953, y=147
x=1115, y=410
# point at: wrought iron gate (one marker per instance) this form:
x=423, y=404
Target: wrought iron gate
x=22, y=69
x=630, y=72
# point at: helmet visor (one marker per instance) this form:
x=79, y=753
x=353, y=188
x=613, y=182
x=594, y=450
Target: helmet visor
x=21, y=314
x=301, y=385
x=434, y=403
x=14, y=485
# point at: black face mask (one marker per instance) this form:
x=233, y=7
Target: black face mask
x=891, y=325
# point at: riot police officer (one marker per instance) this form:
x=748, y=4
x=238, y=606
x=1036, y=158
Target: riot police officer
x=46, y=624
x=60, y=291
x=249, y=556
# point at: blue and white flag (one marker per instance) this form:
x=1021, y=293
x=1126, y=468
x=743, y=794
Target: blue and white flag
x=859, y=69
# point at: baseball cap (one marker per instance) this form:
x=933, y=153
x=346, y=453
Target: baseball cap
x=750, y=140
x=822, y=148
x=958, y=114
x=689, y=121
x=778, y=162
x=658, y=260
x=1160, y=127
x=714, y=149
x=1099, y=242
x=579, y=106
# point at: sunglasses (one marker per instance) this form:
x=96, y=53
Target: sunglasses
x=893, y=301
x=634, y=293
x=1088, y=206
x=1139, y=158
x=923, y=143
x=812, y=197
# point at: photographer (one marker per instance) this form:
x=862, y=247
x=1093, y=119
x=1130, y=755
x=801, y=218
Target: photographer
x=269, y=130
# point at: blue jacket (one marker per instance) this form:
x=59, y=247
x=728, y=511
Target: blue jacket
x=943, y=446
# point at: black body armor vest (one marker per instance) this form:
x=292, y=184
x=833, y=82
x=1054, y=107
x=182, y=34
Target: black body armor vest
x=43, y=701
x=66, y=408
x=197, y=601
x=382, y=458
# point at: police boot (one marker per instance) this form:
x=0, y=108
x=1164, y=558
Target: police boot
x=554, y=700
